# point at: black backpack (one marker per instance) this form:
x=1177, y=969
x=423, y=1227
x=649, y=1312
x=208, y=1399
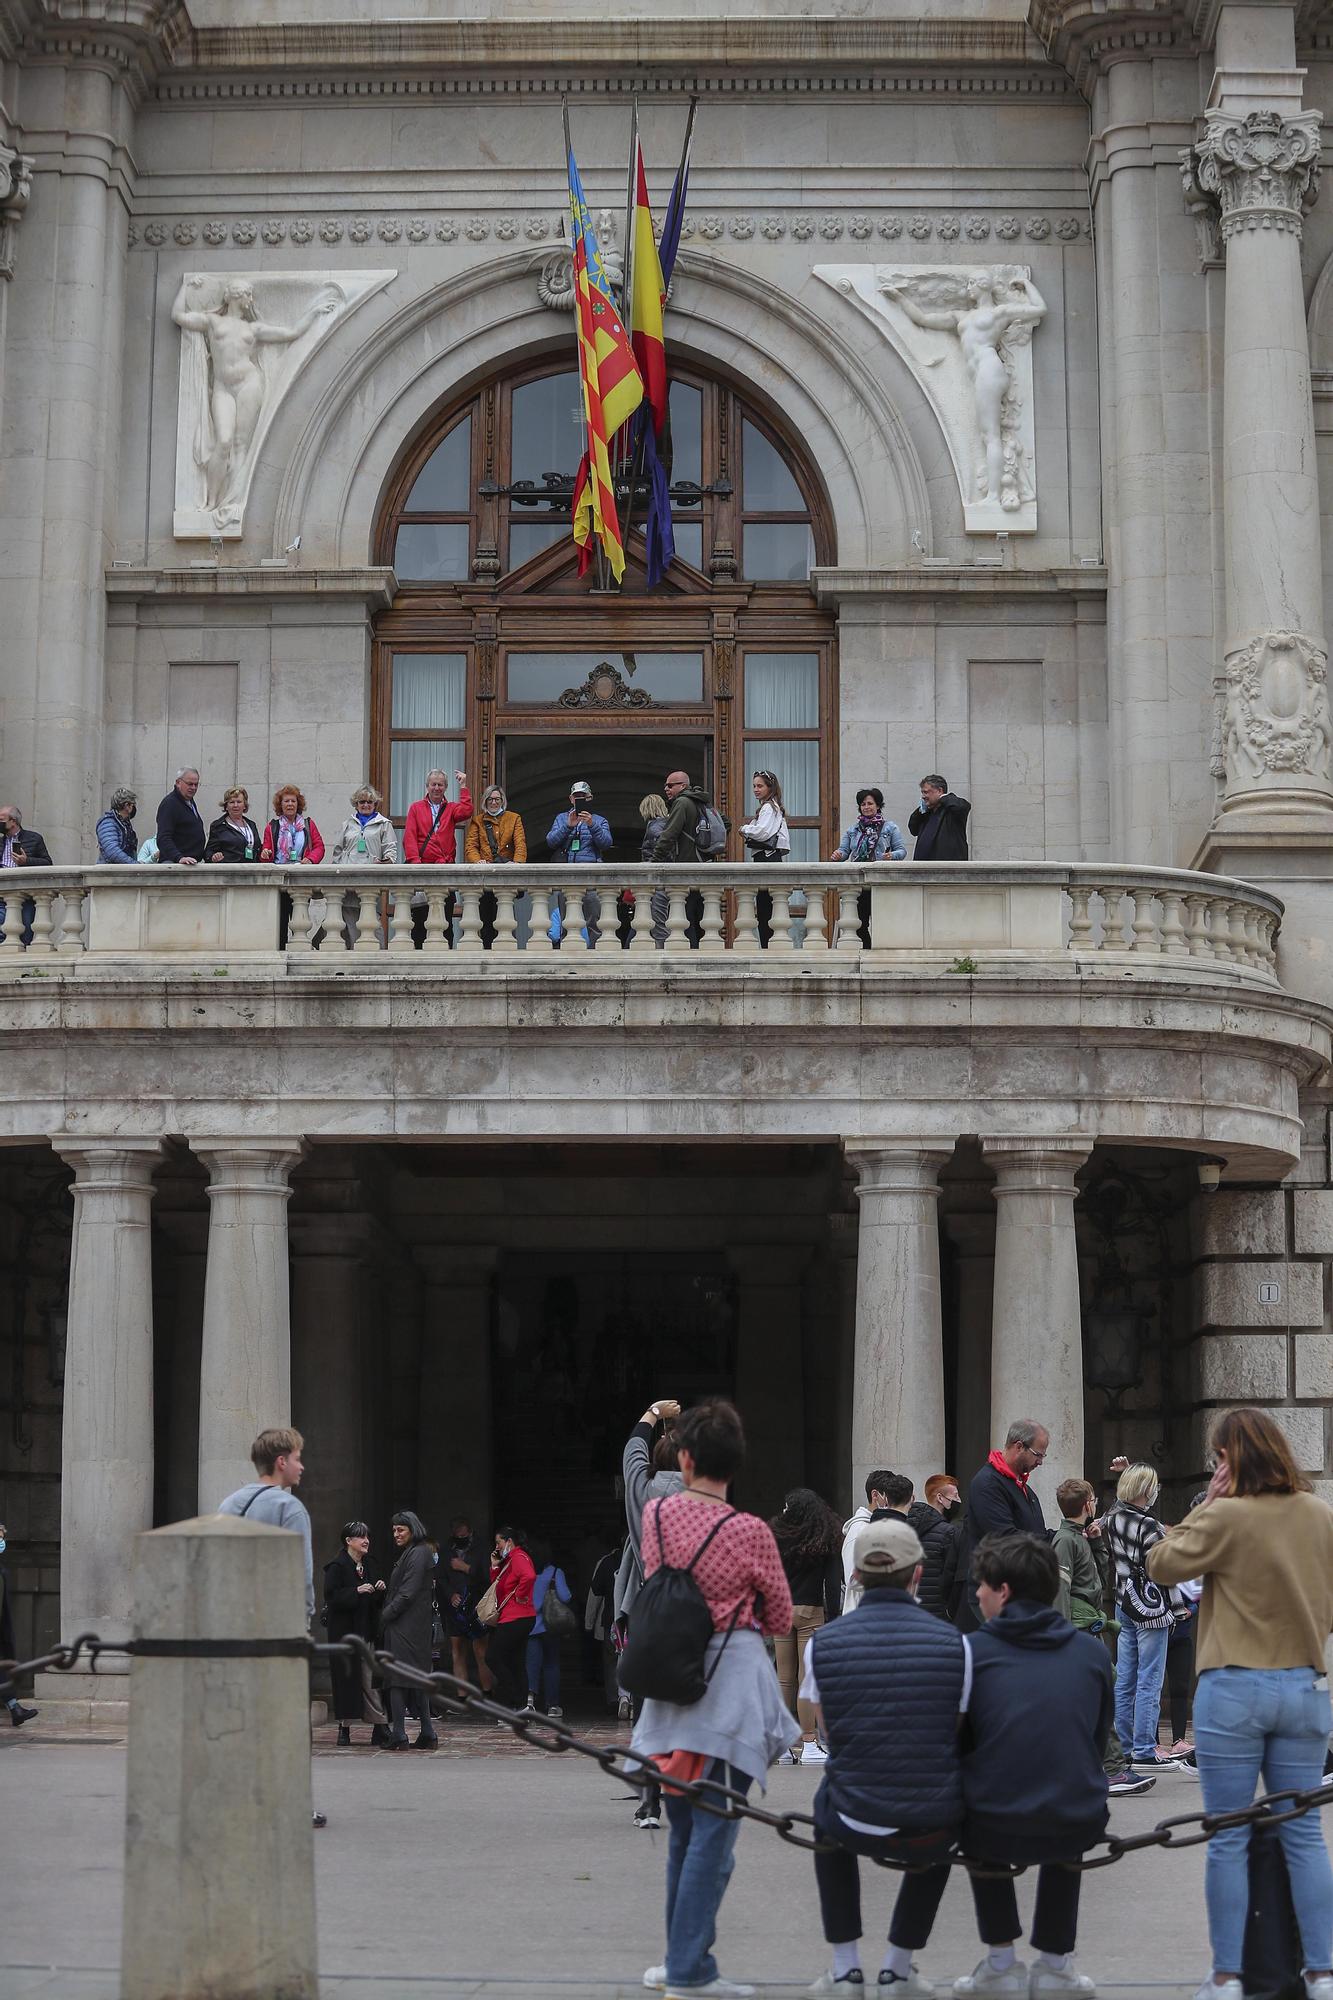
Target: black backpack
x=669, y=1630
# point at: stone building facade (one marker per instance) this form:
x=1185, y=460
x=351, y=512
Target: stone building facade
x=1002, y=344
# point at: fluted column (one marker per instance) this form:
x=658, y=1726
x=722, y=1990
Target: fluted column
x=1037, y=1328
x=898, y=1401
x=106, y=1477
x=245, y=1364
x=1274, y=733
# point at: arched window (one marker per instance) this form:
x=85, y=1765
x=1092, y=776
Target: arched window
x=497, y=658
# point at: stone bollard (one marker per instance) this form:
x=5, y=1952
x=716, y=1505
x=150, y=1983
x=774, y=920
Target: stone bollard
x=219, y=1861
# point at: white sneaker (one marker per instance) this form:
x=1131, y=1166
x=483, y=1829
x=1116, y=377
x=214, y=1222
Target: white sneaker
x=721, y=1989
x=814, y=1753
x=555, y=1714
x=1220, y=1989
x=1320, y=1988
x=624, y=1709
x=1013, y=1980
x=1045, y=1982
x=845, y=1983
x=913, y=1983
x=789, y=1757
x=655, y=1978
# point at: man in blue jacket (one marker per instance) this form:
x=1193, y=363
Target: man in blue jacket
x=887, y=1790
x=579, y=835
x=1035, y=1681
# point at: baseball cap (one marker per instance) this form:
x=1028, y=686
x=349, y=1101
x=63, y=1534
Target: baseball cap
x=582, y=786
x=888, y=1545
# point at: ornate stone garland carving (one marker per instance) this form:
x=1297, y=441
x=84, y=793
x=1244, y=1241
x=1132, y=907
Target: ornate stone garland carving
x=1275, y=720
x=15, y=187
x=606, y=687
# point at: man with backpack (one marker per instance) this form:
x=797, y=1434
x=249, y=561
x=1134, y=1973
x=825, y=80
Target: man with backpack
x=694, y=829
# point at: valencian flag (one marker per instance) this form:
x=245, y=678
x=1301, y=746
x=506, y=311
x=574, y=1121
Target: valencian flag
x=612, y=387
x=652, y=275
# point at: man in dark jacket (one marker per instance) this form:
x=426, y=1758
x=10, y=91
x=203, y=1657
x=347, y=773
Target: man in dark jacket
x=1000, y=1501
x=941, y=1540
x=887, y=1656
x=939, y=823
x=405, y=1628
x=685, y=802
x=18, y=1714
x=1035, y=1680
x=21, y=847
x=181, y=834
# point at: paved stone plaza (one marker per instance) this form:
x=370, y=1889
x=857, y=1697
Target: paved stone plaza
x=490, y=1868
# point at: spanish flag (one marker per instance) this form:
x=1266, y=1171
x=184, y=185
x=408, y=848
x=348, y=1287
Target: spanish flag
x=646, y=305
x=612, y=387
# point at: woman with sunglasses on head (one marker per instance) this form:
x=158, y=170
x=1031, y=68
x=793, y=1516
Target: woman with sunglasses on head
x=353, y=1594
x=767, y=839
x=1263, y=1544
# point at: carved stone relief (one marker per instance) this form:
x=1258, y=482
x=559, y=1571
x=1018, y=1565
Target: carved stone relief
x=1262, y=169
x=244, y=340
x=15, y=187
x=606, y=687
x=965, y=331
x=1276, y=727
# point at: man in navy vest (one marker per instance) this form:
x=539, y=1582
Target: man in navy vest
x=890, y=1681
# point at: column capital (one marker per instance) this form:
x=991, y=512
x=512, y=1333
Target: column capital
x=1260, y=167
x=1036, y=1164
x=249, y=1166
x=899, y=1166
x=109, y=1162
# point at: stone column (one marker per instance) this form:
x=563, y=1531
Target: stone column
x=973, y=1238
x=454, y=1448
x=219, y=1859
x=245, y=1365
x=106, y=1476
x=187, y=1234
x=1037, y=1325
x=328, y=1387
x=770, y=1393
x=843, y=1229
x=1258, y=160
x=898, y=1406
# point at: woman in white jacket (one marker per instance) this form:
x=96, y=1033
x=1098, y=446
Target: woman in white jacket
x=766, y=839
x=366, y=839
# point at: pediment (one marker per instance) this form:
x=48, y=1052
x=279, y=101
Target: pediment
x=554, y=572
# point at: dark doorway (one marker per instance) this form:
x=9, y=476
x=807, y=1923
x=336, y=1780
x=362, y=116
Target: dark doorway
x=537, y=772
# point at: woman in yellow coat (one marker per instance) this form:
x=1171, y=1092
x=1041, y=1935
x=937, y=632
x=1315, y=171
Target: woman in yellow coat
x=495, y=834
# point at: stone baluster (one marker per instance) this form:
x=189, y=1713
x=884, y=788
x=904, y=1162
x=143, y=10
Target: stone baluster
x=245, y=1359
x=106, y=1485
x=642, y=942
x=1173, y=929
x=299, y=929
x=676, y=939
x=13, y=926
x=1113, y=922
x=366, y=936
x=42, y=919
x=713, y=939
x=1080, y=923
x=781, y=939
x=898, y=1397
x=1144, y=925
x=437, y=929
x=400, y=923
x=506, y=922
x=1267, y=939
x=469, y=922
x=72, y=942
x=747, y=922
x=816, y=922
x=1037, y=1337
x=1197, y=932
x=1236, y=920
x=849, y=935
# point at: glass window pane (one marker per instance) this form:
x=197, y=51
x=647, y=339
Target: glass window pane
x=796, y=768
x=781, y=690
x=431, y=552
x=804, y=842
x=665, y=676
x=408, y=765
x=689, y=539
x=768, y=485
x=777, y=551
x=428, y=690
x=444, y=484
x=528, y=538
x=547, y=428
x=687, y=416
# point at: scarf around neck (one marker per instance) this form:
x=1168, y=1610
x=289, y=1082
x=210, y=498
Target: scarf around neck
x=1006, y=1471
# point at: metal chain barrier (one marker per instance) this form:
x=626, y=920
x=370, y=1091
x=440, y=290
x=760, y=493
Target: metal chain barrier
x=459, y=1697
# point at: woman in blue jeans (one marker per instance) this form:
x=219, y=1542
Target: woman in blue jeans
x=1145, y=1612
x=1264, y=1546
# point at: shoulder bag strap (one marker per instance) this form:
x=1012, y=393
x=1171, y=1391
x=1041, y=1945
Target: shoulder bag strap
x=715, y=1530
x=250, y=1502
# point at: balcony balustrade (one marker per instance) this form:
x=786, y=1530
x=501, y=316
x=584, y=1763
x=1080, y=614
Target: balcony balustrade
x=962, y=917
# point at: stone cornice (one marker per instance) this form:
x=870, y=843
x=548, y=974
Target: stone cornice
x=371, y=586
x=1086, y=36
x=862, y=586
x=133, y=39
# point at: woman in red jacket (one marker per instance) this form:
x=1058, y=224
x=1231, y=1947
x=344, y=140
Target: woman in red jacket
x=513, y=1575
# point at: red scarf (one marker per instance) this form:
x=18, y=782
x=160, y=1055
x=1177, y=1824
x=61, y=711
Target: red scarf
x=1006, y=1471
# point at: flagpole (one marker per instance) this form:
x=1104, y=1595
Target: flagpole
x=627, y=304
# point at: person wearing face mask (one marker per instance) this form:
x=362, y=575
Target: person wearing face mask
x=18, y=1714
x=494, y=836
x=405, y=1628
x=513, y=1575
x=353, y=1594
x=459, y=1587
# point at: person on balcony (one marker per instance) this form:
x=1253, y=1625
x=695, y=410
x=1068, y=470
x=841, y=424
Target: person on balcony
x=181, y=834
x=117, y=841
x=431, y=834
x=766, y=839
x=367, y=840
x=21, y=847
x=653, y=813
x=870, y=837
x=494, y=836
x=234, y=835
x=291, y=836
x=939, y=822
x=580, y=836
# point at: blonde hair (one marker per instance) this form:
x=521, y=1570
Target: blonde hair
x=234, y=792
x=1138, y=1486
x=367, y=792
x=653, y=807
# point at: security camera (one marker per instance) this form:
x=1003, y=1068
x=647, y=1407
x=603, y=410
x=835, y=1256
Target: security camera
x=1210, y=1175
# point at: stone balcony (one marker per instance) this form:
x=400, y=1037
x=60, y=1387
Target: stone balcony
x=1019, y=1002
